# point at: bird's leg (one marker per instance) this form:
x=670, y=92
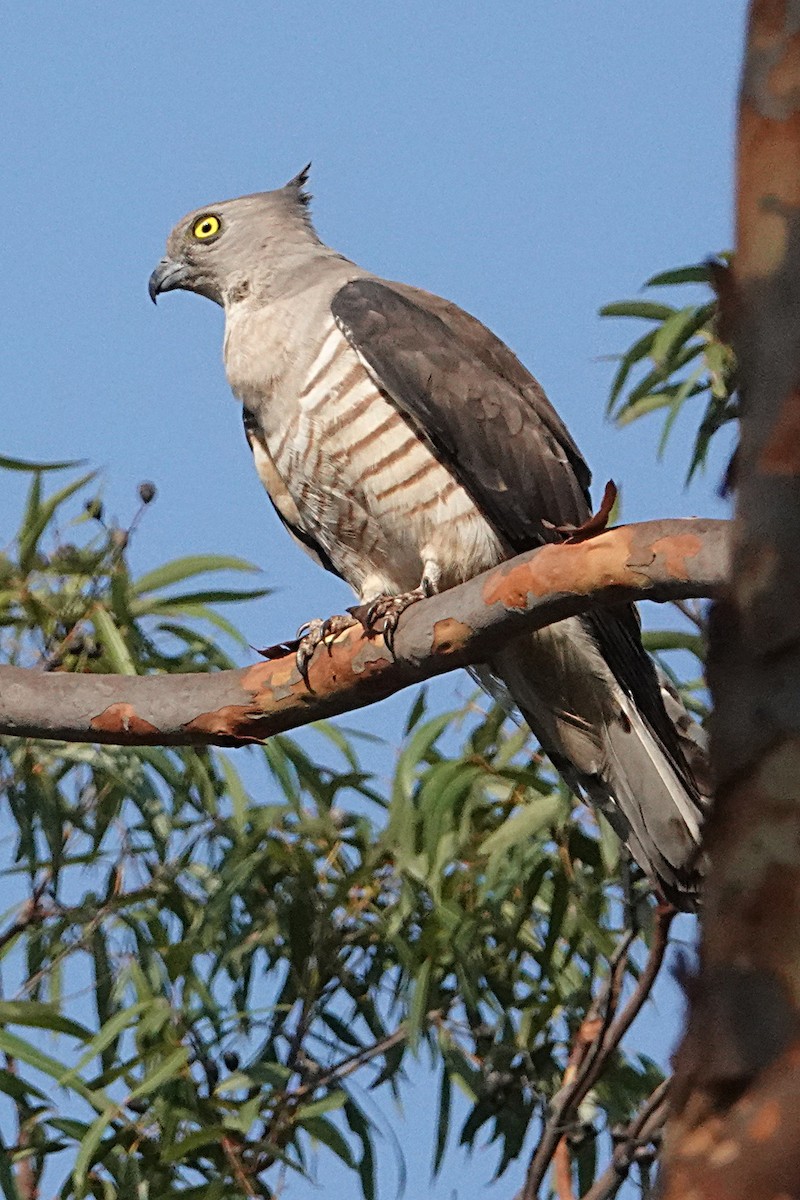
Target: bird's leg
x=388, y=609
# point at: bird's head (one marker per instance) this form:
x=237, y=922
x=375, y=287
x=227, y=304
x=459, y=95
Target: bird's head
x=222, y=250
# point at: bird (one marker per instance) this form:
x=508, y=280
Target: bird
x=407, y=449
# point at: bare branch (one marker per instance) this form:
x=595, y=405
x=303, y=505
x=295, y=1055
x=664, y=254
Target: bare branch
x=657, y=560
x=643, y=1128
x=598, y=1037
x=562, y=1171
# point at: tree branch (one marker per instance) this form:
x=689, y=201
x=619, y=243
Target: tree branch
x=599, y=1036
x=644, y=1127
x=656, y=560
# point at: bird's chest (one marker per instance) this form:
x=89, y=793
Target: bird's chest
x=364, y=482
x=260, y=357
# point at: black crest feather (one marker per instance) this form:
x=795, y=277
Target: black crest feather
x=297, y=184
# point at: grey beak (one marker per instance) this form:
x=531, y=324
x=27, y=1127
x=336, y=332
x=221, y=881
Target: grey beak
x=167, y=276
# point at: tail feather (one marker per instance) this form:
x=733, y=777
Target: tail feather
x=603, y=745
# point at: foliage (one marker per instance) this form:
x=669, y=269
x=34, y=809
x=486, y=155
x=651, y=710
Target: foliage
x=214, y=960
x=682, y=356
x=210, y=961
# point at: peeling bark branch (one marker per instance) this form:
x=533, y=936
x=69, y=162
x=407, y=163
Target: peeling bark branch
x=735, y=1134
x=656, y=560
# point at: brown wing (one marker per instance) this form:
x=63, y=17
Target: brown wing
x=485, y=415
x=474, y=403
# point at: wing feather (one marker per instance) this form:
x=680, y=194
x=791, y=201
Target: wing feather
x=489, y=420
x=473, y=402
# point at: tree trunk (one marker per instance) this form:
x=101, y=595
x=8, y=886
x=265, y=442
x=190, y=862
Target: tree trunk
x=735, y=1131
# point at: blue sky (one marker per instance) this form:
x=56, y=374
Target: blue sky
x=529, y=160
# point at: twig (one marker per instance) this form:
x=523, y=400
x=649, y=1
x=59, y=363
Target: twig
x=32, y=914
x=348, y=1065
x=562, y=1169
x=690, y=611
x=245, y=1184
x=664, y=915
x=586, y=1046
x=642, y=1129
x=27, y=1174
x=594, y=1046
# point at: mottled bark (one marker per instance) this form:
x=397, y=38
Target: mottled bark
x=736, y=1129
x=657, y=560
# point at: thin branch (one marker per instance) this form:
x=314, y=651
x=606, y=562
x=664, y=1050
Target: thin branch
x=597, y=1040
x=586, y=1047
x=230, y=1150
x=664, y=915
x=32, y=913
x=657, y=560
x=562, y=1171
x=348, y=1065
x=692, y=613
x=642, y=1129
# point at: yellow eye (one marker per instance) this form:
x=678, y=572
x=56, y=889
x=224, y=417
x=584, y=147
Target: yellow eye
x=205, y=227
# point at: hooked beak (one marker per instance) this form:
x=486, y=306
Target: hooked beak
x=167, y=276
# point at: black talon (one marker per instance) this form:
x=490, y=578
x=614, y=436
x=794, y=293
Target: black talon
x=389, y=630
x=372, y=613
x=302, y=661
x=314, y=633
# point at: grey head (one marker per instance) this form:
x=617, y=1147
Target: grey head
x=227, y=250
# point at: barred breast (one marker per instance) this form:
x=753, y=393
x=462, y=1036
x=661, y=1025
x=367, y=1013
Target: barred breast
x=365, y=485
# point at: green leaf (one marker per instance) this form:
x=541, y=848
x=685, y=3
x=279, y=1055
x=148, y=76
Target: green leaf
x=675, y=331
x=189, y=600
x=90, y=1144
x=40, y=515
x=207, y=1136
x=22, y=464
x=197, y=612
x=637, y=352
x=647, y=309
x=17, y=1047
x=698, y=273
x=652, y=402
x=239, y=796
x=184, y=568
x=104, y=1037
x=19, y=1089
x=418, y=1008
x=112, y=641
x=443, y=1118
x=417, y=710
x=40, y=1016
x=532, y=818
x=362, y=1129
x=686, y=389
x=169, y=1068
x=330, y=1103
x=327, y=1133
